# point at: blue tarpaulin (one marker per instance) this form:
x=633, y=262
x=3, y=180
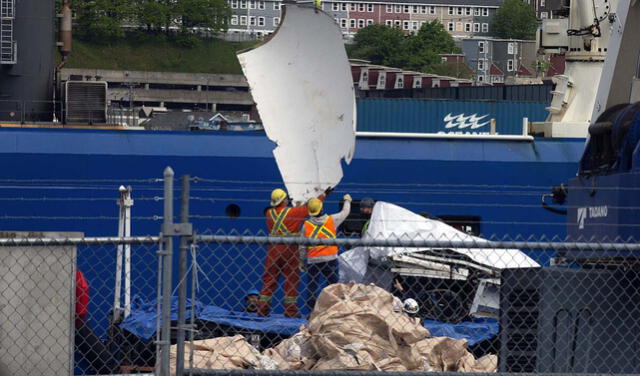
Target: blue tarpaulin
x=142, y=322
x=474, y=331
x=277, y=324
x=143, y=318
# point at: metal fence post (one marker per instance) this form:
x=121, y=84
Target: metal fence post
x=182, y=276
x=166, y=271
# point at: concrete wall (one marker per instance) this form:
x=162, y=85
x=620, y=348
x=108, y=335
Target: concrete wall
x=36, y=307
x=193, y=88
x=157, y=77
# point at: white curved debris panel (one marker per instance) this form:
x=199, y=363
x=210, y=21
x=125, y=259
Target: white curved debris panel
x=392, y=221
x=301, y=82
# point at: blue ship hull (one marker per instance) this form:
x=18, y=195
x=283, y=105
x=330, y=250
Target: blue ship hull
x=497, y=181
x=67, y=180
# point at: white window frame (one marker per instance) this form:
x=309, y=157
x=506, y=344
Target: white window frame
x=370, y=8
x=335, y=7
x=541, y=3
x=234, y=4
x=276, y=21
x=243, y=4
x=510, y=65
x=443, y=59
x=460, y=11
x=405, y=25
x=352, y=23
x=423, y=9
x=451, y=26
x=276, y=5
x=417, y=82
x=467, y=11
x=510, y=48
x=353, y=7
x=485, y=27
x=467, y=27
x=361, y=23
x=451, y=11
x=344, y=23
x=544, y=15
x=344, y=7
x=252, y=4
x=361, y=7
x=415, y=9
x=485, y=12
x=252, y=21
x=243, y=20
x=369, y=22
x=481, y=47
x=261, y=21
x=476, y=27
x=415, y=25
x=476, y=11
x=234, y=20
x=389, y=8
x=397, y=8
x=432, y=9
x=481, y=78
x=261, y=5
x=389, y=23
x=397, y=23
x=481, y=65
x=406, y=9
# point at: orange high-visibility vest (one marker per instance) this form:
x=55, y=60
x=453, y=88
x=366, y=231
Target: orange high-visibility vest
x=325, y=231
x=279, y=228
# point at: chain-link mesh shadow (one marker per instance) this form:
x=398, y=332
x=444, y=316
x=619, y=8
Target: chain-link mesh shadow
x=415, y=303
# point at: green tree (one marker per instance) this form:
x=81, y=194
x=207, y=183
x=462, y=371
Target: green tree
x=379, y=44
x=515, y=20
x=433, y=36
x=101, y=20
x=423, y=50
x=153, y=14
x=214, y=14
x=384, y=45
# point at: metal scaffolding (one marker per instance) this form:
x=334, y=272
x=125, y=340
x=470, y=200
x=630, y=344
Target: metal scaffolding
x=8, y=47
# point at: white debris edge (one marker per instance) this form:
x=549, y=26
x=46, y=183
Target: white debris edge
x=301, y=82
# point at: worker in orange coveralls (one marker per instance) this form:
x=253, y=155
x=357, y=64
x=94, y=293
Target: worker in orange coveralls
x=283, y=220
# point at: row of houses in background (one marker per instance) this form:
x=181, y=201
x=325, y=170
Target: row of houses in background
x=462, y=18
x=487, y=61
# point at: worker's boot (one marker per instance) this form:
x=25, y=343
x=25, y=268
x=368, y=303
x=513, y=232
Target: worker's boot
x=264, y=305
x=291, y=306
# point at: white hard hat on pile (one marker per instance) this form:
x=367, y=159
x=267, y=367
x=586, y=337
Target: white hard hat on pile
x=410, y=306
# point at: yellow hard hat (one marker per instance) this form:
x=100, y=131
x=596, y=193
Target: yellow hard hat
x=277, y=196
x=314, y=206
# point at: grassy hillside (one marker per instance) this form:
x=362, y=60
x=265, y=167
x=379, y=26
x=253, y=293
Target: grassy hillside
x=159, y=53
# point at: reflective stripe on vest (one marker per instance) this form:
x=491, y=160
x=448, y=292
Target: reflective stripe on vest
x=365, y=228
x=325, y=231
x=279, y=229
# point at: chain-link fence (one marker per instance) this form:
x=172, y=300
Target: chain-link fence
x=438, y=301
x=67, y=301
x=389, y=291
